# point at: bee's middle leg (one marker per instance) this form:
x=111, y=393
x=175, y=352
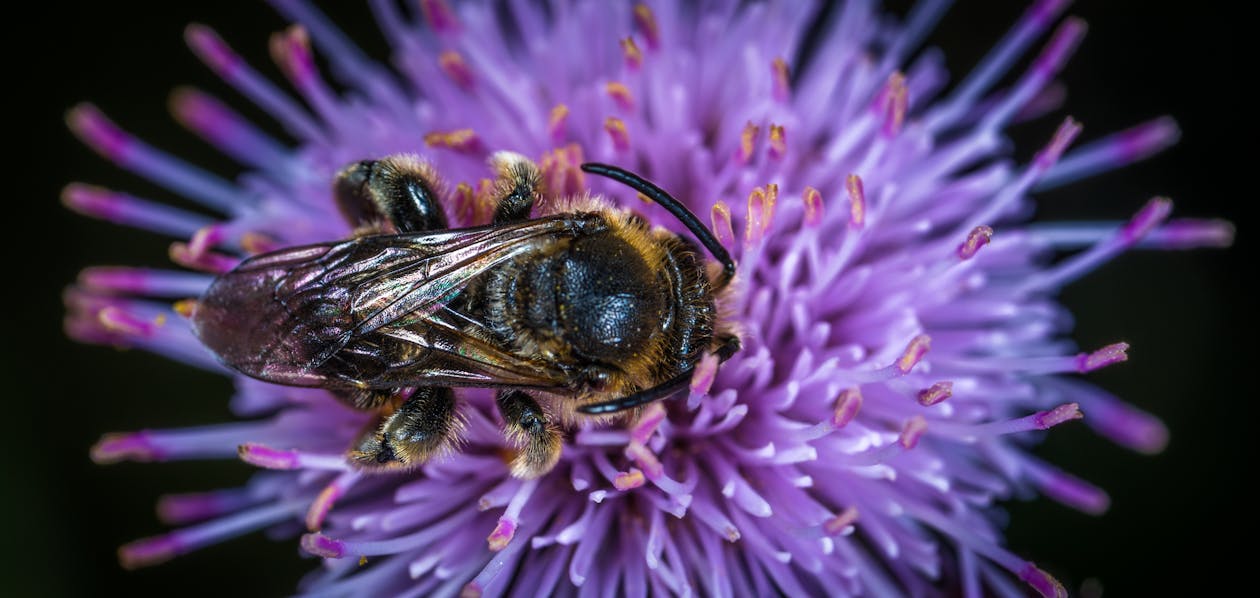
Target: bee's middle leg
x=527, y=426
x=397, y=193
x=420, y=428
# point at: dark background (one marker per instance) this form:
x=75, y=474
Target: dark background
x=61, y=516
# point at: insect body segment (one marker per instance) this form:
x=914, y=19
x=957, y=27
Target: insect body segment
x=583, y=310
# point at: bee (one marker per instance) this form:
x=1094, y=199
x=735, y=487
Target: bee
x=585, y=311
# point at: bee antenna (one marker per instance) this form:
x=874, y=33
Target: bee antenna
x=730, y=345
x=673, y=206
x=655, y=393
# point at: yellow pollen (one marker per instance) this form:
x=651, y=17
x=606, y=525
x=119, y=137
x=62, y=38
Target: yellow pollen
x=456, y=69
x=915, y=351
x=616, y=129
x=747, y=143
x=936, y=393
x=460, y=140
x=620, y=94
x=857, y=200
x=895, y=99
x=632, y=53
x=977, y=238
x=721, y=218
x=837, y=524
x=755, y=223
x=778, y=141
x=484, y=201
x=628, y=480
x=255, y=242
x=912, y=431
x=320, y=507
x=465, y=209
x=813, y=206
x=767, y=209
x=561, y=173
x=555, y=122
x=847, y=406
x=115, y=320
x=205, y=238
x=779, y=69
x=185, y=307
x=576, y=179
x=646, y=22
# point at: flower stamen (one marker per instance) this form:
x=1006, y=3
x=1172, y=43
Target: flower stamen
x=556, y=122
x=127, y=210
x=857, y=201
x=439, y=16
x=842, y=524
x=977, y=238
x=456, y=69
x=464, y=141
x=936, y=393
x=263, y=456
x=323, y=503
x=912, y=431
x=813, y=201
x=617, y=133
x=782, y=81
x=720, y=216
x=620, y=95
x=1111, y=354
x=747, y=144
x=633, y=56
x=645, y=23
x=778, y=142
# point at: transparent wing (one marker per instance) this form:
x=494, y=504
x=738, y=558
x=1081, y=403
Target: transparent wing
x=371, y=311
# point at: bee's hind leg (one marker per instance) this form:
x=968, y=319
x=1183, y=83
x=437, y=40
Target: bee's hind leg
x=527, y=426
x=517, y=186
x=420, y=428
x=398, y=193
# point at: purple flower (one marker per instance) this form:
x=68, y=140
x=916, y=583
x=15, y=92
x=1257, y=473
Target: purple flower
x=901, y=337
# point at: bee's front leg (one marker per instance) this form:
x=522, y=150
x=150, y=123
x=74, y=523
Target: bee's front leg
x=516, y=187
x=420, y=428
x=397, y=193
x=528, y=428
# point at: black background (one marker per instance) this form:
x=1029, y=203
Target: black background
x=61, y=516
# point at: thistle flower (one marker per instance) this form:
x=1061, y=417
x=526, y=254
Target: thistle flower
x=902, y=341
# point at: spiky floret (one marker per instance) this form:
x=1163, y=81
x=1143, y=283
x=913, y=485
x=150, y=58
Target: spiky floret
x=898, y=311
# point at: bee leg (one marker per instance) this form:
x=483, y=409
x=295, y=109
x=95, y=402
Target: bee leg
x=397, y=192
x=517, y=186
x=368, y=398
x=528, y=428
x=421, y=428
x=728, y=345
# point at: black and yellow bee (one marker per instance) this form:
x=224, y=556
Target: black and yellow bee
x=586, y=309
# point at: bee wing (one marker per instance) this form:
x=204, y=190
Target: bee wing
x=319, y=314
x=430, y=350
